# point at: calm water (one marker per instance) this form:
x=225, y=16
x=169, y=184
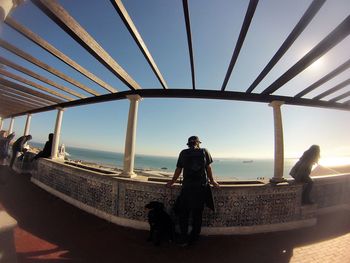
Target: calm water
x=223, y=168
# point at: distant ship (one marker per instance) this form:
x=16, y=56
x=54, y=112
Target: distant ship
x=247, y=161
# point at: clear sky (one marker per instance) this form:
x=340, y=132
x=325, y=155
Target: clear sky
x=226, y=128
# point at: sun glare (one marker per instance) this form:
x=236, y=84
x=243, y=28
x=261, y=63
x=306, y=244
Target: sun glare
x=334, y=161
x=318, y=64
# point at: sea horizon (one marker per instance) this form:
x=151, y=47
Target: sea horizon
x=224, y=168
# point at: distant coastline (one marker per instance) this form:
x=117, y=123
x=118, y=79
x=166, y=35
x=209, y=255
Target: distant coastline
x=224, y=168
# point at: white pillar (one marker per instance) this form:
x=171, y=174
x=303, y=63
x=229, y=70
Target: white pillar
x=6, y=6
x=56, y=136
x=27, y=127
x=129, y=152
x=279, y=149
x=1, y=123
x=11, y=125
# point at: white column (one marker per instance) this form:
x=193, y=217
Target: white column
x=6, y=6
x=11, y=125
x=279, y=149
x=129, y=152
x=57, y=133
x=27, y=127
x=1, y=123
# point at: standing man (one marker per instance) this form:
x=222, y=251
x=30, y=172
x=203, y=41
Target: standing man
x=195, y=164
x=18, y=146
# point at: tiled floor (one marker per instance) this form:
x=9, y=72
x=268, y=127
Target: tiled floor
x=50, y=230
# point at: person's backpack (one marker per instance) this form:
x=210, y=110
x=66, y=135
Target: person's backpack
x=196, y=166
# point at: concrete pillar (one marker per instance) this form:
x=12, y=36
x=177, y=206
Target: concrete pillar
x=1, y=123
x=27, y=127
x=279, y=149
x=6, y=6
x=11, y=125
x=129, y=152
x=57, y=133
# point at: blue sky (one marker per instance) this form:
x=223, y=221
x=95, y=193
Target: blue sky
x=226, y=128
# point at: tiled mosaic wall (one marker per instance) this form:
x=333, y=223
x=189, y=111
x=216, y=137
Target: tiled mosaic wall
x=235, y=205
x=84, y=186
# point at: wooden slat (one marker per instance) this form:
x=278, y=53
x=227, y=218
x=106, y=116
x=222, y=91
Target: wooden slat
x=12, y=104
x=118, y=5
x=17, y=103
x=33, y=84
x=39, y=77
x=335, y=37
x=247, y=20
x=298, y=29
x=13, y=95
x=63, y=19
x=189, y=40
x=16, y=86
x=6, y=112
x=23, y=99
x=340, y=97
x=323, y=80
x=54, y=51
x=332, y=90
x=26, y=95
x=48, y=68
x=198, y=94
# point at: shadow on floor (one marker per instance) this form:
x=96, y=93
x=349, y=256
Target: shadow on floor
x=50, y=230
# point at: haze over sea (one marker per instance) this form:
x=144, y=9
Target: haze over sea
x=224, y=168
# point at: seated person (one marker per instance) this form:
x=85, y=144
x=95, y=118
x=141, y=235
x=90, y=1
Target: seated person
x=46, y=152
x=302, y=169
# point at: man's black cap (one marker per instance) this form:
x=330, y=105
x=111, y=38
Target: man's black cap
x=193, y=139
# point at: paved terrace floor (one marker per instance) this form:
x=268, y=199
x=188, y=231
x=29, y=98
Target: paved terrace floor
x=50, y=230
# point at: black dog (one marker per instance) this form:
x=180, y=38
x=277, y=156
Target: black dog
x=161, y=225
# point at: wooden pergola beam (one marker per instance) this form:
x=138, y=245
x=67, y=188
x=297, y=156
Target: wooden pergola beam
x=17, y=103
x=335, y=37
x=189, y=40
x=246, y=23
x=33, y=84
x=340, y=97
x=332, y=90
x=323, y=80
x=309, y=14
x=63, y=19
x=6, y=112
x=198, y=94
x=38, y=77
x=48, y=68
x=20, y=100
x=54, y=51
x=22, y=88
x=26, y=95
x=12, y=94
x=123, y=13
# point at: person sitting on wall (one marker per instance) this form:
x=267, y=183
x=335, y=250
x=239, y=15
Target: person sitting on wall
x=302, y=169
x=4, y=145
x=46, y=152
x=19, y=147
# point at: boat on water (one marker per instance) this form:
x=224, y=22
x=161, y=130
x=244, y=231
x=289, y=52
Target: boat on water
x=247, y=161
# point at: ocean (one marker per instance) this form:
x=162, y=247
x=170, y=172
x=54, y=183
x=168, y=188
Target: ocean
x=224, y=169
